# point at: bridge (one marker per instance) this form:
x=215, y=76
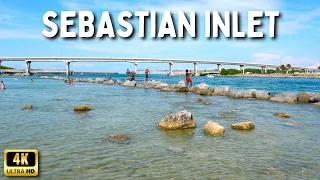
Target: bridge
x=135, y=61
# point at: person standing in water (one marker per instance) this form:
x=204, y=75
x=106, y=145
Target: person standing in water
x=2, y=86
x=147, y=75
x=128, y=74
x=188, y=79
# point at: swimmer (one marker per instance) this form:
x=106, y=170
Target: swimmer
x=2, y=86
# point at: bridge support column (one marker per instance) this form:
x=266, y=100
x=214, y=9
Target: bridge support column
x=242, y=68
x=0, y=64
x=219, y=67
x=170, y=68
x=28, y=67
x=135, y=67
x=195, y=68
x=263, y=69
x=68, y=68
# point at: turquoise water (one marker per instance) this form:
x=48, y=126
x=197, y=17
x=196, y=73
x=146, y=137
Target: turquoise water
x=73, y=146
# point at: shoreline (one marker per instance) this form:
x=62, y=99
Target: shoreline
x=205, y=90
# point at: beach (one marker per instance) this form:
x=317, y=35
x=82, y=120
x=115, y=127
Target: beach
x=74, y=145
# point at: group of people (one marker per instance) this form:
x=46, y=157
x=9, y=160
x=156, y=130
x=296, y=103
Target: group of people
x=131, y=76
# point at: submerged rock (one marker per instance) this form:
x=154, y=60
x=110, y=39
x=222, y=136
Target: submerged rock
x=118, y=138
x=176, y=149
x=204, y=92
x=285, y=97
x=232, y=110
x=27, y=107
x=284, y=115
x=83, y=108
x=166, y=89
x=200, y=100
x=128, y=83
x=221, y=90
x=119, y=81
x=262, y=95
x=213, y=128
x=207, y=102
x=243, y=126
x=179, y=120
x=317, y=104
x=59, y=99
x=225, y=115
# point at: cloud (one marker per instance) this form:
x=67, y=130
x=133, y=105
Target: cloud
x=19, y=34
x=266, y=58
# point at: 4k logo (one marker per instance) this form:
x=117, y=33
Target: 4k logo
x=21, y=163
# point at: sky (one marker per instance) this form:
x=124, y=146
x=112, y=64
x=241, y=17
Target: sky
x=297, y=42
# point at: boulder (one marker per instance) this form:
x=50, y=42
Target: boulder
x=243, y=126
x=248, y=93
x=118, y=138
x=202, y=86
x=110, y=82
x=119, y=81
x=225, y=115
x=76, y=80
x=232, y=110
x=90, y=81
x=161, y=85
x=200, y=100
x=284, y=115
x=27, y=107
x=235, y=93
x=221, y=90
x=181, y=84
x=140, y=85
x=179, y=120
x=309, y=97
x=285, y=97
x=181, y=89
x=204, y=92
x=263, y=95
x=213, y=128
x=128, y=83
x=153, y=83
x=59, y=99
x=166, y=89
x=207, y=102
x=316, y=104
x=83, y=108
x=99, y=80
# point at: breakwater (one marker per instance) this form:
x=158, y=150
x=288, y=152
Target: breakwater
x=206, y=90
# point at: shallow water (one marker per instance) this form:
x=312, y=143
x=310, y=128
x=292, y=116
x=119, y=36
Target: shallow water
x=73, y=146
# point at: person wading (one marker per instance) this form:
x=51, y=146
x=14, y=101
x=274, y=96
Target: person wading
x=188, y=79
x=147, y=75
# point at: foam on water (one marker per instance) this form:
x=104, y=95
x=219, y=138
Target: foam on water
x=72, y=145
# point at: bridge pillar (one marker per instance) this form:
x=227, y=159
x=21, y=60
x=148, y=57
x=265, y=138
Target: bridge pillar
x=68, y=68
x=242, y=68
x=0, y=64
x=135, y=67
x=170, y=68
x=219, y=67
x=28, y=67
x=263, y=69
x=195, y=68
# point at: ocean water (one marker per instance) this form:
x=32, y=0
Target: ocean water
x=73, y=145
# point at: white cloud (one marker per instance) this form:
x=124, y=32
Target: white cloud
x=266, y=58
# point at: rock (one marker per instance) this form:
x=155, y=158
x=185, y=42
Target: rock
x=235, y=93
x=213, y=128
x=83, y=108
x=309, y=97
x=172, y=86
x=118, y=138
x=221, y=90
x=202, y=86
x=110, y=82
x=59, y=99
x=99, y=80
x=176, y=149
x=248, y=93
x=207, y=102
x=225, y=115
x=232, y=110
x=27, y=107
x=204, y=92
x=243, y=126
x=181, y=89
x=90, y=81
x=128, y=83
x=179, y=120
x=140, y=85
x=181, y=84
x=200, y=100
x=153, y=83
x=294, y=123
x=263, y=95
x=284, y=115
x=166, y=89
x=285, y=97
x=76, y=80
x=161, y=85
x=316, y=104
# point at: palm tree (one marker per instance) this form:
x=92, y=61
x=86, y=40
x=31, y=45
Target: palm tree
x=283, y=67
x=319, y=67
x=278, y=69
x=288, y=67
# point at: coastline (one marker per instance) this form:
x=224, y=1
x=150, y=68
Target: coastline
x=277, y=75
